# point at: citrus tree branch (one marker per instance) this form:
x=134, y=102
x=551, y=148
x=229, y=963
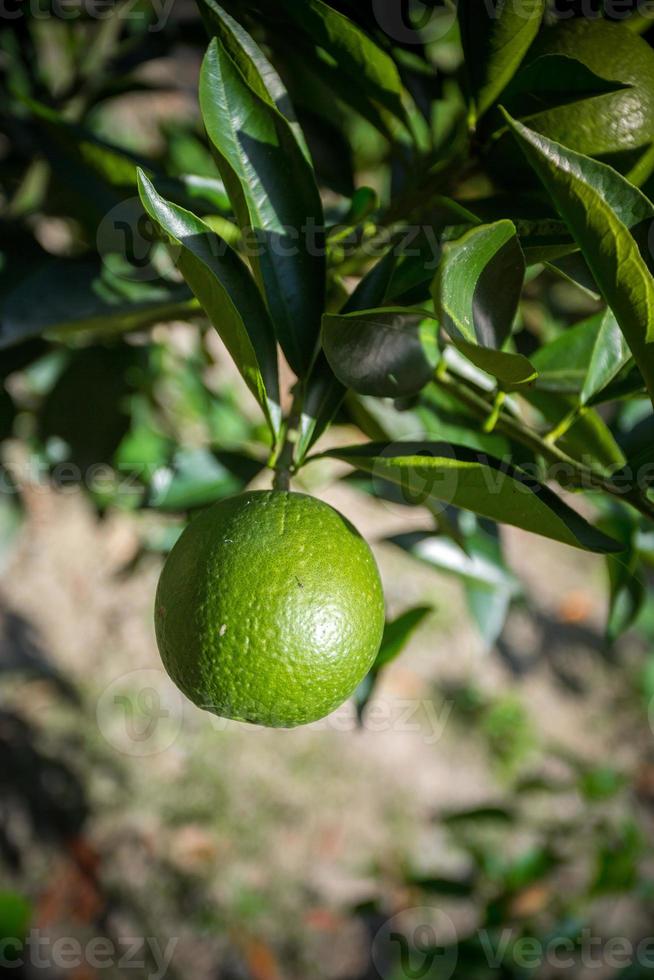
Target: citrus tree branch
x=473, y=398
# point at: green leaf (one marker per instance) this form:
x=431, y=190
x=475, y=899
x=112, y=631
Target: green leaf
x=358, y=59
x=260, y=75
x=476, y=567
x=473, y=481
x=197, y=478
x=388, y=353
x=324, y=394
x=227, y=292
x=607, y=217
x=489, y=608
x=495, y=40
x=627, y=588
x=372, y=289
x=552, y=80
x=76, y=295
x=477, y=290
x=489, y=585
x=273, y=191
x=609, y=356
x=397, y=633
x=563, y=363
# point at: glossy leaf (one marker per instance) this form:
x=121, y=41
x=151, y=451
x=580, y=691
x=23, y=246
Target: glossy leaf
x=552, y=80
x=607, y=216
x=227, y=292
x=476, y=482
x=273, y=191
x=323, y=396
x=358, y=59
x=495, y=40
x=260, y=75
x=477, y=291
x=474, y=566
x=563, y=363
x=372, y=288
x=388, y=353
x=610, y=354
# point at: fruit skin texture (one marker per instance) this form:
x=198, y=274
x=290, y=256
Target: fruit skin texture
x=269, y=609
x=616, y=127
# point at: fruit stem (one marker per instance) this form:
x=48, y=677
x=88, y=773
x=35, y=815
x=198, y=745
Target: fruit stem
x=284, y=462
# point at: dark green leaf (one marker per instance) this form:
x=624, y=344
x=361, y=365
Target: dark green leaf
x=372, y=289
x=197, y=478
x=274, y=194
x=552, y=80
x=61, y=296
x=397, y=633
x=626, y=575
x=479, y=814
x=606, y=214
x=610, y=354
x=358, y=59
x=495, y=40
x=563, y=363
x=387, y=353
x=477, y=291
x=473, y=481
x=227, y=292
x=324, y=394
x=260, y=75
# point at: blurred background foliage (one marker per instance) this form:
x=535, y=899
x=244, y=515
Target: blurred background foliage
x=113, y=385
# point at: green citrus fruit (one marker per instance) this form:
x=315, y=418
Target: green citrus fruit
x=269, y=609
x=614, y=126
